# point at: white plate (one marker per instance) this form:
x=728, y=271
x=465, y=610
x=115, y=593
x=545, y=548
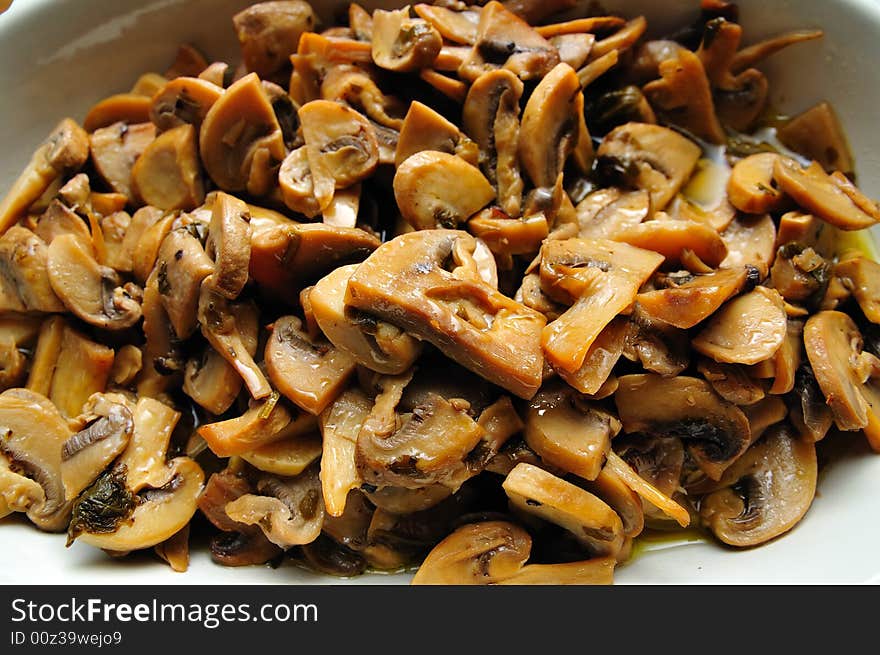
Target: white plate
x=58, y=58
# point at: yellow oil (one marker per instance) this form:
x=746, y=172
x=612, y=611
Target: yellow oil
x=863, y=241
x=652, y=540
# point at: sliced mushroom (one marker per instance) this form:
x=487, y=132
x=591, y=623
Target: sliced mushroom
x=24, y=273
x=833, y=198
x=401, y=43
x=404, y=282
x=675, y=238
x=686, y=408
x=648, y=157
x=290, y=512
x=456, y=26
x=297, y=185
x=659, y=462
x=747, y=330
x=817, y=134
x=263, y=423
x=862, y=276
x=145, y=233
x=506, y=236
x=425, y=129
x=476, y=553
x=376, y=344
x=183, y=100
x=162, y=356
x=568, y=432
x=751, y=188
x=750, y=242
x=287, y=457
x=92, y=292
x=601, y=279
x=340, y=424
x=116, y=148
x=128, y=108
x=239, y=132
x=590, y=520
x=732, y=382
x=765, y=493
x=168, y=175
x=58, y=219
x=229, y=244
x=685, y=305
x=596, y=571
x=66, y=149
x=15, y=335
x=33, y=432
x=606, y=213
x=181, y=266
x=596, y=371
x=269, y=32
x=353, y=85
x=800, y=274
x=551, y=124
x=659, y=347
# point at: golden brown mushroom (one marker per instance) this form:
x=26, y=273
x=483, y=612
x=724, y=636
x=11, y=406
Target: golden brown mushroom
x=24, y=273
x=269, y=32
x=750, y=243
x=229, y=244
x=116, y=148
x=862, y=276
x=340, y=425
x=425, y=129
x=752, y=189
x=698, y=297
x=183, y=100
x=168, y=174
x=817, y=134
x=401, y=43
x=181, y=266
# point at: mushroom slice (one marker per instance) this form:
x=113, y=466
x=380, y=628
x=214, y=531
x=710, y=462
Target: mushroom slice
x=116, y=148
x=647, y=491
x=240, y=130
x=94, y=293
x=596, y=571
x=590, y=520
x=58, y=220
x=456, y=26
x=688, y=304
x=833, y=198
x=181, y=266
x=608, y=212
x=376, y=344
x=657, y=461
x=800, y=274
x=600, y=360
x=787, y=359
x=747, y=330
x=155, y=515
x=229, y=244
x=403, y=44
x=550, y=127
x=506, y=236
x=168, y=175
x=750, y=242
x=148, y=228
x=601, y=278
x=162, y=355
x=127, y=363
x=16, y=334
x=287, y=457
x=505, y=40
x=297, y=185
x=452, y=88
x=732, y=382
x=862, y=275
x=310, y=372
x=765, y=493
x=834, y=348
x=684, y=97
x=490, y=116
x=649, y=157
x=24, y=271
x=66, y=149
x=269, y=32
x=33, y=432
x=128, y=108
x=659, y=347
x=289, y=511
x=86, y=454
x=752, y=189
x=354, y=85
x=436, y=189
x=264, y=422
x=183, y=100
x=674, y=238
x=817, y=134
x=568, y=432
x=405, y=283
x=686, y=408
x=425, y=129
x=340, y=424
x=476, y=553
x=80, y=369
x=285, y=257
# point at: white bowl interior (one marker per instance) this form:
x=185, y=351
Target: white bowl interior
x=59, y=57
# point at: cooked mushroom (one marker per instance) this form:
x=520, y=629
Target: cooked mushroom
x=817, y=134
x=128, y=108
x=506, y=236
x=33, y=434
x=340, y=424
x=168, y=175
x=648, y=157
x=425, y=129
x=116, y=148
x=747, y=330
x=269, y=32
x=436, y=189
x=404, y=282
x=862, y=276
x=183, y=100
x=376, y=344
x=752, y=189
x=401, y=43
x=290, y=511
x=800, y=274
x=15, y=334
x=658, y=461
x=287, y=457
x=553, y=128
x=229, y=244
x=686, y=408
x=456, y=26
x=659, y=347
x=732, y=382
x=590, y=520
x=568, y=432
x=765, y=493
x=92, y=292
x=239, y=132
x=66, y=149
x=145, y=233
x=181, y=266
x=353, y=85
x=605, y=213
x=687, y=304
x=264, y=422
x=24, y=273
x=750, y=242
x=675, y=238
x=162, y=356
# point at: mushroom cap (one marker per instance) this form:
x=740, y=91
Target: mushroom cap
x=269, y=32
x=401, y=43
x=183, y=100
x=751, y=187
x=688, y=304
x=168, y=174
x=229, y=244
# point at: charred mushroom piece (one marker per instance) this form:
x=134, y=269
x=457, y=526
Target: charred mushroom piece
x=116, y=148
x=310, y=372
x=168, y=175
x=269, y=32
x=649, y=157
x=686, y=408
x=403, y=44
x=240, y=133
x=405, y=283
x=690, y=303
x=592, y=522
x=477, y=553
x=229, y=244
x=66, y=149
x=833, y=198
x=568, y=432
x=436, y=189
x=24, y=273
x=94, y=293
x=765, y=493
x=747, y=330
x=33, y=433
x=376, y=344
x=817, y=134
x=182, y=101
x=340, y=424
x=751, y=188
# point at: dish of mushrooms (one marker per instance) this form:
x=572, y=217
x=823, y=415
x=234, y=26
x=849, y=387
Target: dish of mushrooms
x=484, y=292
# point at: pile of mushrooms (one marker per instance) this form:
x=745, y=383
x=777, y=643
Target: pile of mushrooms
x=405, y=292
